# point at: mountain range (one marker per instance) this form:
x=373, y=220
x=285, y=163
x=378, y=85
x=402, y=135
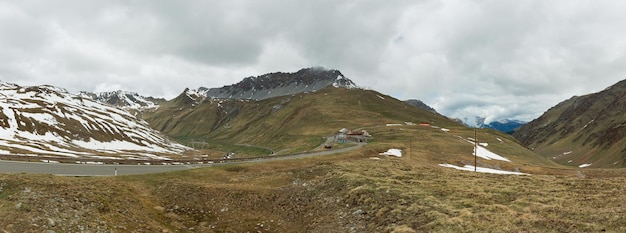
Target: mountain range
x=281, y=112
x=287, y=112
x=505, y=125
x=424, y=185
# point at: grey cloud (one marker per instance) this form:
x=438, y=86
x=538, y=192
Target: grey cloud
x=494, y=59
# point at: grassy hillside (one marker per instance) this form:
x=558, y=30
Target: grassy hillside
x=588, y=129
x=288, y=124
x=350, y=192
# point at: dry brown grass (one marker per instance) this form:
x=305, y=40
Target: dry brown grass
x=348, y=192
x=338, y=193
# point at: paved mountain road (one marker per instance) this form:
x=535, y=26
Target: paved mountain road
x=67, y=169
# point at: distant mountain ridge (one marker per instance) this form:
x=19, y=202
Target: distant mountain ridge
x=588, y=129
x=124, y=99
x=46, y=120
x=277, y=84
x=506, y=125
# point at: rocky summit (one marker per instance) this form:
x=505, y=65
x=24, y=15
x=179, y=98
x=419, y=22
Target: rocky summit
x=279, y=84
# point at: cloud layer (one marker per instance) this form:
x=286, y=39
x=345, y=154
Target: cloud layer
x=494, y=59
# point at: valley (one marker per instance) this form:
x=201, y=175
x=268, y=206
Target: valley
x=291, y=163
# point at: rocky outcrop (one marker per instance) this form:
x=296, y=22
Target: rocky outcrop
x=279, y=84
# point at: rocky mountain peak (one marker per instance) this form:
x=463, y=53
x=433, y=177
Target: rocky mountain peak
x=278, y=84
x=419, y=104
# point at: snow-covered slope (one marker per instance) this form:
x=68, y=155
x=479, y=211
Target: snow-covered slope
x=45, y=120
x=124, y=99
x=277, y=84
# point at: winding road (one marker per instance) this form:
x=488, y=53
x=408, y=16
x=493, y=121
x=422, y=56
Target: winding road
x=67, y=169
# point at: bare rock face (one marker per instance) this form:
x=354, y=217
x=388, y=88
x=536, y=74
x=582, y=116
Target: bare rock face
x=420, y=104
x=278, y=84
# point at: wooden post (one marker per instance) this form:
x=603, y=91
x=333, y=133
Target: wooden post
x=410, y=145
x=475, y=149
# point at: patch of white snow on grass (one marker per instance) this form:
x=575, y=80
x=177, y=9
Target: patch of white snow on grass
x=584, y=165
x=482, y=169
x=393, y=152
x=488, y=155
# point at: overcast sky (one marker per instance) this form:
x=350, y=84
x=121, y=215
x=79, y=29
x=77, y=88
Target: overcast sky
x=491, y=58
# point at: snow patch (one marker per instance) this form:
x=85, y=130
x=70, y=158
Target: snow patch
x=488, y=155
x=485, y=153
x=393, y=152
x=587, y=124
x=482, y=169
x=584, y=165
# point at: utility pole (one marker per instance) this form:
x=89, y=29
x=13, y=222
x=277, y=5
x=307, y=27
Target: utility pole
x=410, y=145
x=227, y=152
x=475, y=149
